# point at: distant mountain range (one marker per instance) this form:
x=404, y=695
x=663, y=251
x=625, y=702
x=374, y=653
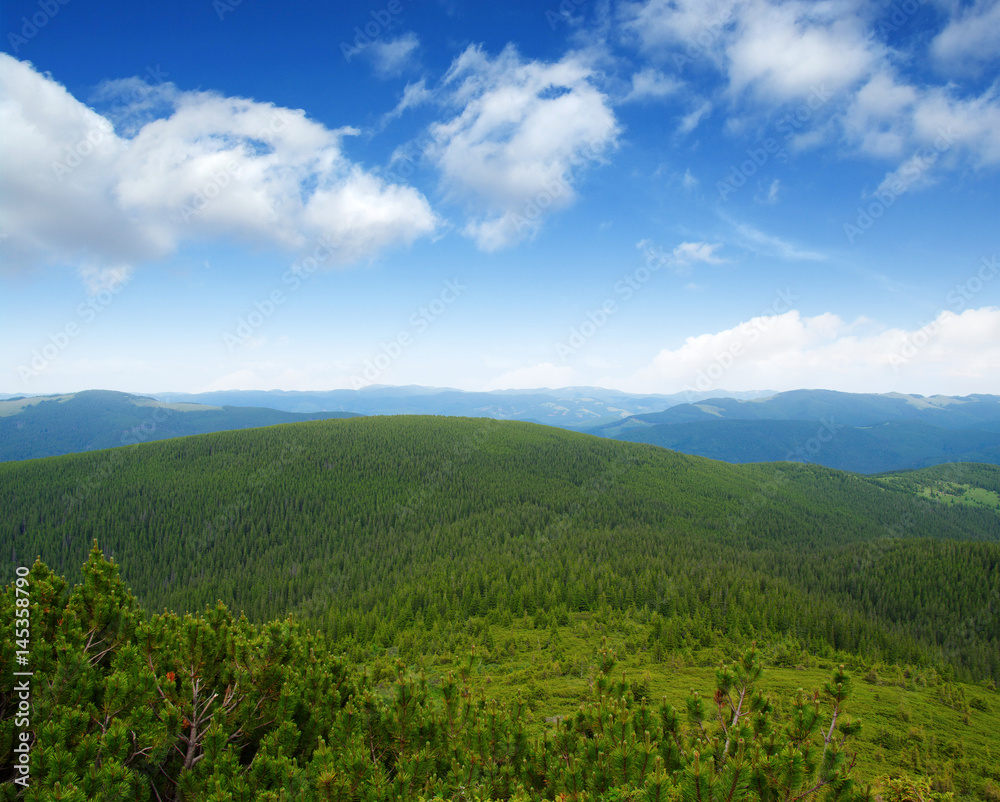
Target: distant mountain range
x=568, y=407
x=45, y=426
x=864, y=433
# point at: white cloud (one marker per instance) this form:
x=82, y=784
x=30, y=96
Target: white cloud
x=691, y=120
x=533, y=377
x=970, y=38
x=769, y=245
x=879, y=115
x=689, y=252
x=392, y=57
x=770, y=195
x=954, y=353
x=414, y=95
x=694, y=27
x=786, y=51
x=651, y=84
x=911, y=174
x=212, y=166
x=820, y=62
x=970, y=124
x=525, y=131
x=682, y=256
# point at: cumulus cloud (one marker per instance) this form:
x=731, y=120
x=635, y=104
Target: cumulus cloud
x=74, y=190
x=523, y=133
x=787, y=351
x=879, y=116
x=392, y=57
x=786, y=51
x=691, y=29
x=651, y=84
x=822, y=60
x=775, y=50
x=970, y=38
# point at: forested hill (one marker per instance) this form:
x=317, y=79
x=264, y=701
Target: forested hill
x=369, y=526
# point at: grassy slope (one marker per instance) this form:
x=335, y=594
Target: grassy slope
x=914, y=722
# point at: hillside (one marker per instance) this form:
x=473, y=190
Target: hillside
x=44, y=426
x=561, y=601
x=369, y=525
x=210, y=707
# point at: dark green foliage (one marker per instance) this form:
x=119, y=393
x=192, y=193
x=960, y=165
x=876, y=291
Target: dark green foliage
x=208, y=707
x=383, y=530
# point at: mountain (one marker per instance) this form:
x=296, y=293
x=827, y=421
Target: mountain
x=568, y=407
x=367, y=526
x=43, y=426
x=889, y=446
x=554, y=594
x=852, y=409
x=865, y=433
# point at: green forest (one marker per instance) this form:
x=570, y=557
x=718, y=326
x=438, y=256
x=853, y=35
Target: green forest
x=419, y=607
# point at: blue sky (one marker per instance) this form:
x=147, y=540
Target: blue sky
x=650, y=196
